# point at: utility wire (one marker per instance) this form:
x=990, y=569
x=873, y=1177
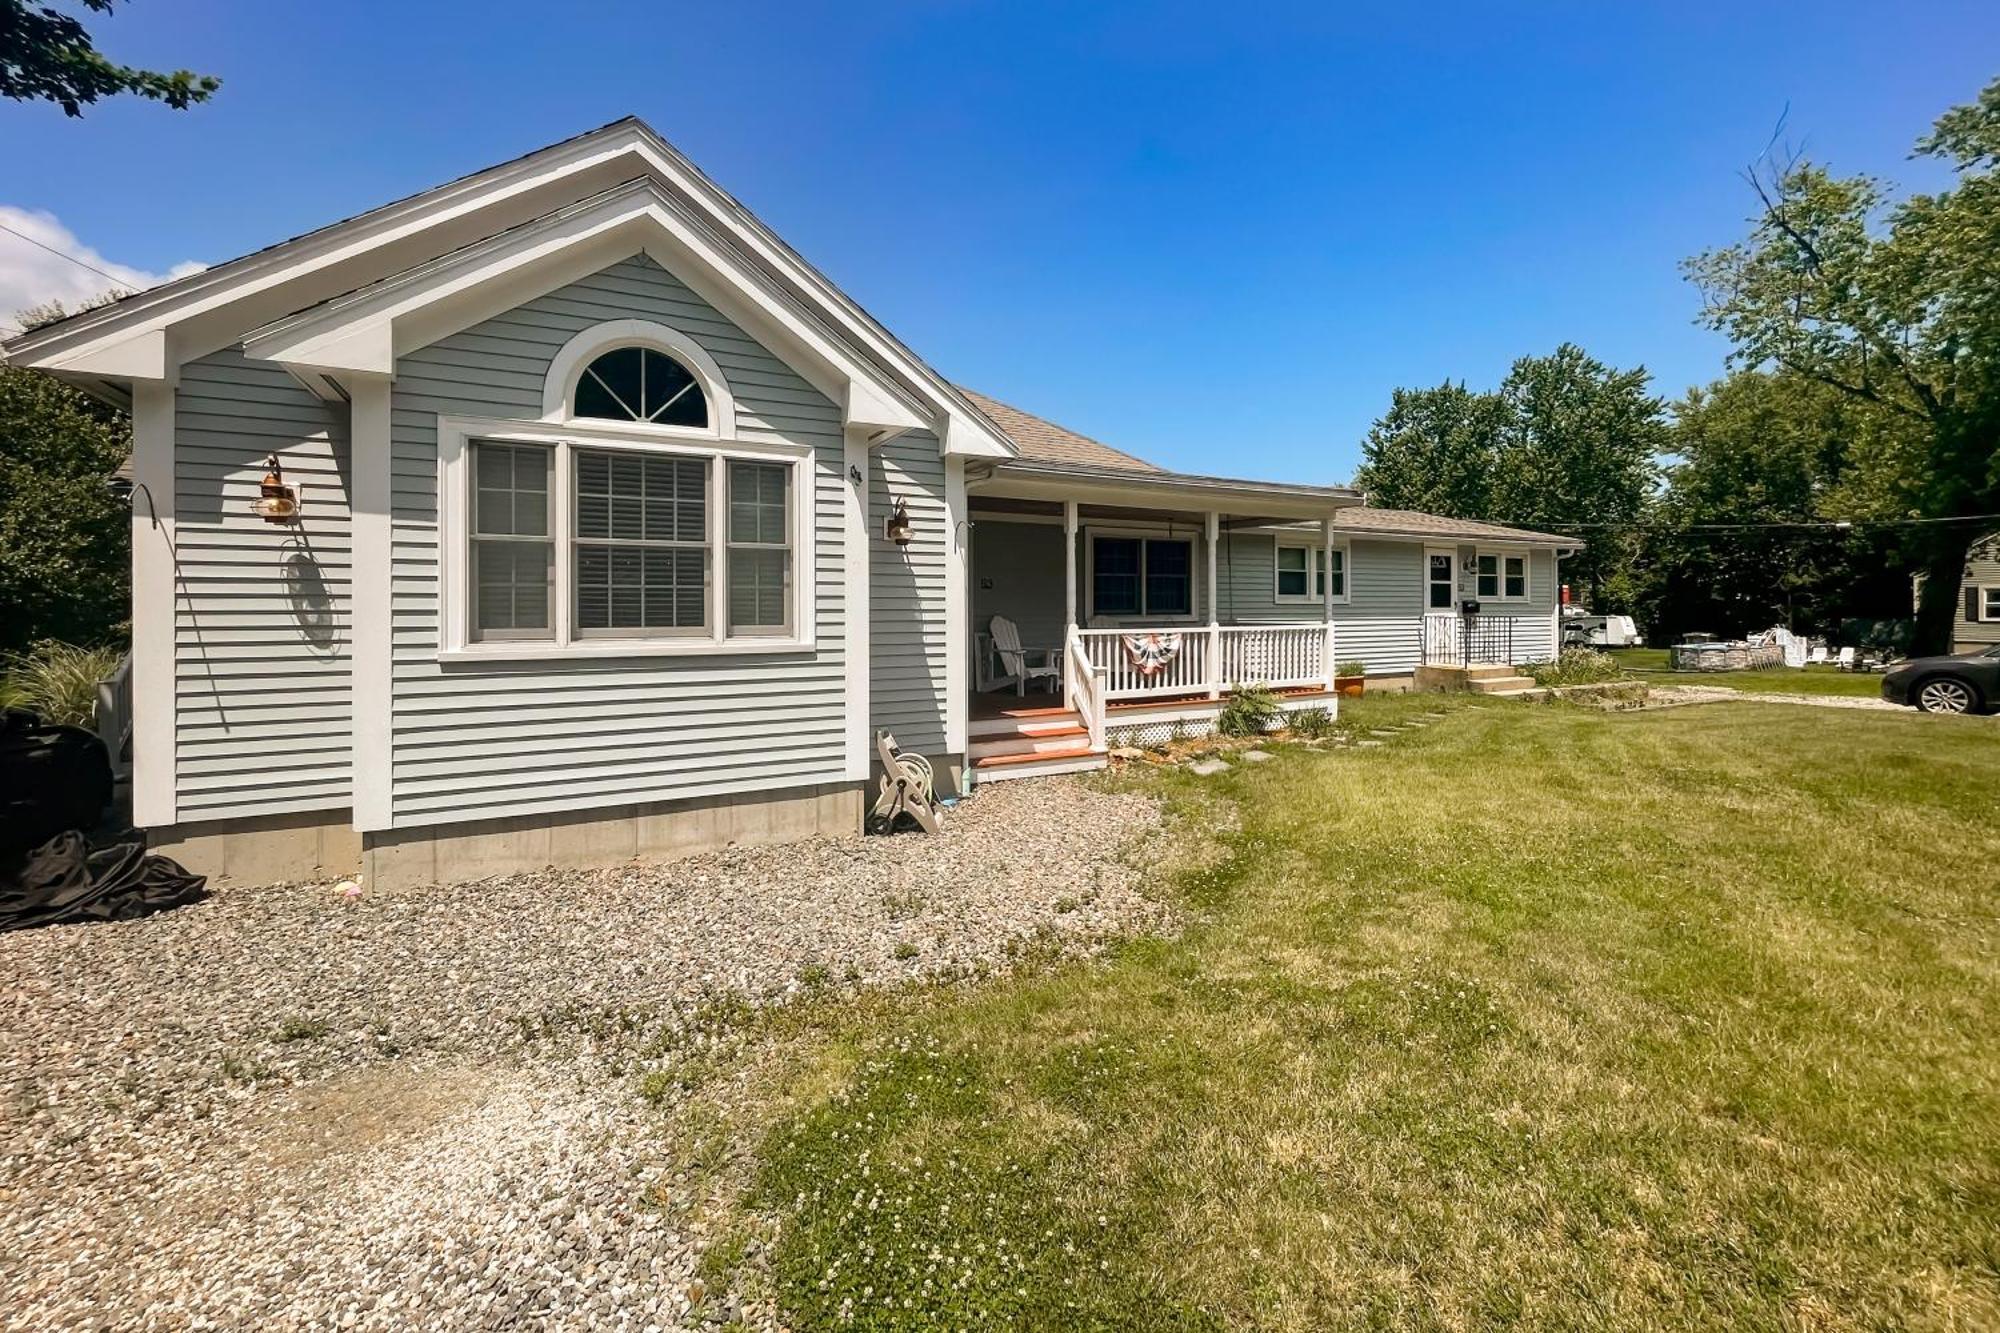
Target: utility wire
x=1842, y=523
x=59, y=254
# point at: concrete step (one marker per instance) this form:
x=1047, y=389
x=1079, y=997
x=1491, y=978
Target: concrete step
x=1528, y=690
x=1488, y=671
x=1507, y=684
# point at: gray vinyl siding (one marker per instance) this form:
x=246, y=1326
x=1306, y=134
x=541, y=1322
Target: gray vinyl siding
x=1381, y=622
x=1982, y=570
x=1023, y=563
x=908, y=656
x=261, y=627
x=477, y=740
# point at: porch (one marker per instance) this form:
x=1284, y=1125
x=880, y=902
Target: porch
x=1096, y=625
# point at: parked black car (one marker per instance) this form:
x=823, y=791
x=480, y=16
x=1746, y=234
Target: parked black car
x=1966, y=683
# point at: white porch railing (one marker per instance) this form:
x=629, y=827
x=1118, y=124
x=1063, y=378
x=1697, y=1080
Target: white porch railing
x=1210, y=660
x=1082, y=688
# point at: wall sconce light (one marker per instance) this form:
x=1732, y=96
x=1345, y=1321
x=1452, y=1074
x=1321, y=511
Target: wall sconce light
x=899, y=529
x=276, y=502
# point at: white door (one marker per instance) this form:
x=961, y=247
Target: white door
x=1440, y=604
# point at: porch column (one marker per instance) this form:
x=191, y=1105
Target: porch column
x=1214, y=621
x=1069, y=566
x=1326, y=597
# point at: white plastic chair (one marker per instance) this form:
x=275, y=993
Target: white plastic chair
x=1847, y=659
x=1817, y=657
x=1015, y=659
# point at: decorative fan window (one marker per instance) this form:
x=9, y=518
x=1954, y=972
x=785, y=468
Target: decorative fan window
x=641, y=384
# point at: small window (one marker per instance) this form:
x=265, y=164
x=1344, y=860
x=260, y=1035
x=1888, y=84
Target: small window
x=641, y=384
x=1303, y=573
x=641, y=544
x=760, y=555
x=1489, y=577
x=1337, y=572
x=1141, y=576
x=1514, y=578
x=1294, y=571
x=512, y=541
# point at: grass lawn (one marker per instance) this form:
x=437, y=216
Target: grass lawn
x=1651, y=664
x=1538, y=1016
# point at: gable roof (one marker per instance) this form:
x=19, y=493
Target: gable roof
x=1411, y=523
x=146, y=335
x=1046, y=442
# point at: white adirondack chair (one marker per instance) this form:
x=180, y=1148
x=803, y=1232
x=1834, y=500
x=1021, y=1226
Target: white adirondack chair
x=1817, y=657
x=1015, y=660
x=1847, y=659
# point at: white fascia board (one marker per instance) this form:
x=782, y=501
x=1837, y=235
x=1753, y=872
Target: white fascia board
x=143, y=356
x=368, y=333
x=591, y=157
x=963, y=437
x=1143, y=490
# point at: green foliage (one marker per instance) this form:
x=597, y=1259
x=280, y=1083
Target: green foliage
x=1566, y=439
x=1434, y=450
x=58, y=681
x=1355, y=668
x=1898, y=308
x=1310, y=723
x=1576, y=666
x=46, y=56
x=64, y=536
x=1250, y=710
x=1761, y=448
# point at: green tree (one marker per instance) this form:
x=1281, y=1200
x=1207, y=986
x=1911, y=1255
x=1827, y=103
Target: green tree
x=47, y=56
x=1579, y=449
x=1897, y=307
x=1434, y=450
x=63, y=534
x=1754, y=452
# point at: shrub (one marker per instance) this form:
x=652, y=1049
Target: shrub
x=1576, y=666
x=1251, y=711
x=58, y=681
x=1311, y=722
x=1350, y=669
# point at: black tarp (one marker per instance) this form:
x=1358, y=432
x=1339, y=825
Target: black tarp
x=52, y=779
x=65, y=882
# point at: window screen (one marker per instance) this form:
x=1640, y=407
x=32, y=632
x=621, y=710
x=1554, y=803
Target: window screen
x=512, y=545
x=760, y=556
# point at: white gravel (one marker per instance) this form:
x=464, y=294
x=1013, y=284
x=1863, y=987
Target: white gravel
x=1670, y=695
x=280, y=1109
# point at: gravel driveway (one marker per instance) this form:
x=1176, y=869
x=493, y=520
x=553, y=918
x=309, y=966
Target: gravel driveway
x=280, y=1109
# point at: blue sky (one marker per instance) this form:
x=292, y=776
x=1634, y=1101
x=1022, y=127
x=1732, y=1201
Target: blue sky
x=1214, y=235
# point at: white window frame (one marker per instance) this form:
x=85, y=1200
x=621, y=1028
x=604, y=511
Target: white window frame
x=1501, y=555
x=1451, y=581
x=576, y=355
x=1989, y=602
x=1316, y=573
x=454, y=479
x=1141, y=535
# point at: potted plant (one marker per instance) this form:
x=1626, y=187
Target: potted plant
x=1349, y=678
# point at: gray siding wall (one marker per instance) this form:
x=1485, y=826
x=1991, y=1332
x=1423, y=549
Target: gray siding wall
x=1983, y=569
x=1023, y=564
x=908, y=656
x=477, y=740
x=1381, y=622
x=262, y=711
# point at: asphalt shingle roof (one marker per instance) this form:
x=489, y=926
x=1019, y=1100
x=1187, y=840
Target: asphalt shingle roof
x=1046, y=442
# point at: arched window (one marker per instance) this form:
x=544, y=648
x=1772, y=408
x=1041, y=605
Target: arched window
x=641, y=384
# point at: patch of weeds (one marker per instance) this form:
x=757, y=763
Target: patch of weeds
x=1251, y=710
x=237, y=1069
x=724, y=1257
x=904, y=950
x=815, y=977
x=1066, y=904
x=298, y=1027
x=1311, y=723
x=912, y=1207
x=902, y=904
x=592, y=1022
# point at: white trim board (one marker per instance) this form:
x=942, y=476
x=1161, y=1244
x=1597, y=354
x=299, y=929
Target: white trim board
x=155, y=603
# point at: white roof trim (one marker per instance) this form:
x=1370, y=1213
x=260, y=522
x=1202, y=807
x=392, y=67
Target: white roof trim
x=365, y=332
x=333, y=259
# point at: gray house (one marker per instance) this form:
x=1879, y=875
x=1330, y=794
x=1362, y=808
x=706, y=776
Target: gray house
x=1979, y=598
x=563, y=513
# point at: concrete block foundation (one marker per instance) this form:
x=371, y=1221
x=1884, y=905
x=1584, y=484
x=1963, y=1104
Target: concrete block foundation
x=324, y=846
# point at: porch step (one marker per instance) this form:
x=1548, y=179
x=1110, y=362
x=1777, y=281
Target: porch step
x=1489, y=671
x=1526, y=689
x=1044, y=738
x=1024, y=722
x=1040, y=764
x=1507, y=683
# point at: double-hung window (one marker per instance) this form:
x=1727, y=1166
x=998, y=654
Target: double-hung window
x=1304, y=571
x=1989, y=602
x=640, y=561
x=1141, y=576
x=760, y=549
x=513, y=542
x=1503, y=577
